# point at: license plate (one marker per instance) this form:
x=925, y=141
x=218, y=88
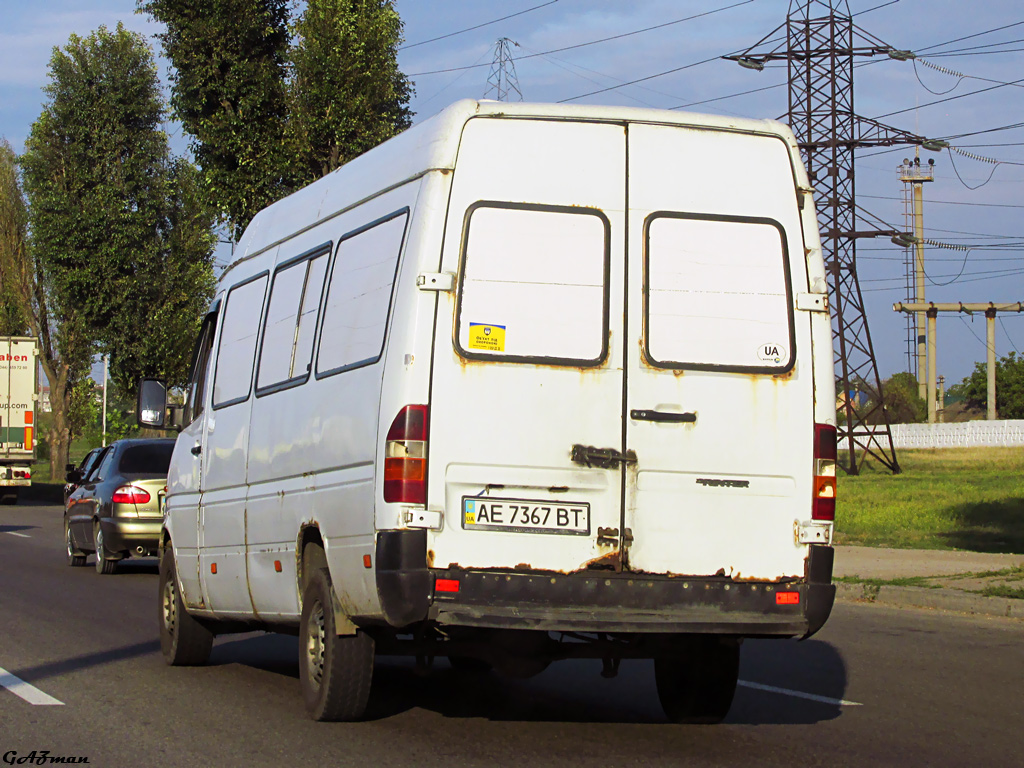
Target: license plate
x=525, y=515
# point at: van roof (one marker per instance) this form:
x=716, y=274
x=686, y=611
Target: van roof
x=433, y=145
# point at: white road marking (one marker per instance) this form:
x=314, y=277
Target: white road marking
x=15, y=533
x=799, y=694
x=28, y=692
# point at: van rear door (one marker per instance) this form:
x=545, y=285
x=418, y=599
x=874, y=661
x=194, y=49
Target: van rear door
x=528, y=352
x=719, y=405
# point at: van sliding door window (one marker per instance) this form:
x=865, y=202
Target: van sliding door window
x=534, y=284
x=237, y=351
x=287, y=347
x=717, y=294
x=359, y=295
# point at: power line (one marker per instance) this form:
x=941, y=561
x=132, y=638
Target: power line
x=478, y=26
x=595, y=42
x=949, y=202
x=968, y=37
x=950, y=98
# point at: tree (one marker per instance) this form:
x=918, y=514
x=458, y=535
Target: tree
x=122, y=242
x=270, y=105
x=902, y=401
x=347, y=94
x=1009, y=387
x=65, y=349
x=228, y=91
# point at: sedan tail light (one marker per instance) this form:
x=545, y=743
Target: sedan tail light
x=129, y=494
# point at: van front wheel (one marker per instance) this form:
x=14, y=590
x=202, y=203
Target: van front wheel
x=698, y=684
x=335, y=671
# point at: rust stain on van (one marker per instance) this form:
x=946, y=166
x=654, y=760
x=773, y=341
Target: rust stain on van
x=430, y=558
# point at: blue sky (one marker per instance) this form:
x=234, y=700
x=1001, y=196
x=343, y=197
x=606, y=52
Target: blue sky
x=953, y=213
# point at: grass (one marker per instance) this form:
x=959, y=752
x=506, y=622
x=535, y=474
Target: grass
x=951, y=498
x=1017, y=593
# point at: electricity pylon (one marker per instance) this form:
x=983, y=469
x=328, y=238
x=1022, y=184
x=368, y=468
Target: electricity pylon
x=502, y=81
x=821, y=44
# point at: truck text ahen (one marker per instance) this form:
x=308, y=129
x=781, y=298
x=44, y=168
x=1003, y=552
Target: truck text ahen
x=569, y=399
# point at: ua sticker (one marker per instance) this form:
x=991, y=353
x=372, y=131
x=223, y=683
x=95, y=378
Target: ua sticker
x=772, y=353
x=487, y=337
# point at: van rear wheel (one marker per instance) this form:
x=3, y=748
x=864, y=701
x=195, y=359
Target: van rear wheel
x=335, y=671
x=184, y=642
x=698, y=684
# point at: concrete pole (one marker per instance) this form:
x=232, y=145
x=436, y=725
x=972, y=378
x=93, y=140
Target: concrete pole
x=930, y=394
x=942, y=399
x=922, y=354
x=990, y=326
x=106, y=359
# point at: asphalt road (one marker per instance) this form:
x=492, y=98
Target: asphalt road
x=917, y=688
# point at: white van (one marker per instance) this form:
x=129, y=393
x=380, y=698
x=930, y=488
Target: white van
x=527, y=382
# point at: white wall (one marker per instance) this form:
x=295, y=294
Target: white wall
x=967, y=434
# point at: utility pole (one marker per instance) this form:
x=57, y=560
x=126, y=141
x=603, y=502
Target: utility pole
x=502, y=80
x=821, y=43
x=914, y=175
x=990, y=309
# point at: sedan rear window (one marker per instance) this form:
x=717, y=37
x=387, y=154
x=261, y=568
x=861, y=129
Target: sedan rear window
x=153, y=458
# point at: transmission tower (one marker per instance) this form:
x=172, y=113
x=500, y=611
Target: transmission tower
x=821, y=44
x=502, y=80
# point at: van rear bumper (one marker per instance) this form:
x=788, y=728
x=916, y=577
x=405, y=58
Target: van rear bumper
x=592, y=602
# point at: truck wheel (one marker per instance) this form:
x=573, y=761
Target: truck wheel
x=335, y=672
x=76, y=557
x=104, y=564
x=184, y=642
x=698, y=685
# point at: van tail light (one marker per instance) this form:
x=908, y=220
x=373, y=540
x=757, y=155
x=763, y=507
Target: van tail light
x=823, y=504
x=405, y=457
x=129, y=494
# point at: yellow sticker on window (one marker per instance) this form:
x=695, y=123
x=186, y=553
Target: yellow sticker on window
x=487, y=337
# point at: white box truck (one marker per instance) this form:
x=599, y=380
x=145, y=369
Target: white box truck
x=18, y=393
x=528, y=382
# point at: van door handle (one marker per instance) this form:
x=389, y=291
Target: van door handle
x=197, y=449
x=663, y=416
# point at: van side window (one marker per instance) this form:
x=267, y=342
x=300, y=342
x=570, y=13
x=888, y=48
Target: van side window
x=718, y=294
x=195, y=395
x=287, y=346
x=237, y=351
x=534, y=284
x=359, y=295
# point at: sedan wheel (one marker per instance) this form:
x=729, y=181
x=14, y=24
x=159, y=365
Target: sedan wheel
x=103, y=565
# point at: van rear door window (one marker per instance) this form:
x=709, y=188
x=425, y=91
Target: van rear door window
x=717, y=294
x=287, y=346
x=359, y=295
x=534, y=284
x=235, y=357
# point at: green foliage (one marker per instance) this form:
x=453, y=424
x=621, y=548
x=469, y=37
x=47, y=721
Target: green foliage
x=118, y=226
x=902, y=401
x=1009, y=387
x=13, y=223
x=347, y=93
x=228, y=91
x=270, y=105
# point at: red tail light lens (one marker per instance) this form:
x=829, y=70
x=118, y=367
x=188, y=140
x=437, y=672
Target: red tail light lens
x=823, y=502
x=129, y=494
x=405, y=457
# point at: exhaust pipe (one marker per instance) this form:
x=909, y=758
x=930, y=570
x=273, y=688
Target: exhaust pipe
x=140, y=550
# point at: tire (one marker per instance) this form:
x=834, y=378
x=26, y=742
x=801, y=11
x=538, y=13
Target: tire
x=76, y=557
x=335, y=672
x=184, y=642
x=104, y=565
x=698, y=685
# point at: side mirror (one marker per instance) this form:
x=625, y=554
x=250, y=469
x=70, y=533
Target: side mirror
x=152, y=404
x=73, y=475
x=176, y=417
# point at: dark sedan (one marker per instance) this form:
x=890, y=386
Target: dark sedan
x=115, y=512
x=75, y=475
